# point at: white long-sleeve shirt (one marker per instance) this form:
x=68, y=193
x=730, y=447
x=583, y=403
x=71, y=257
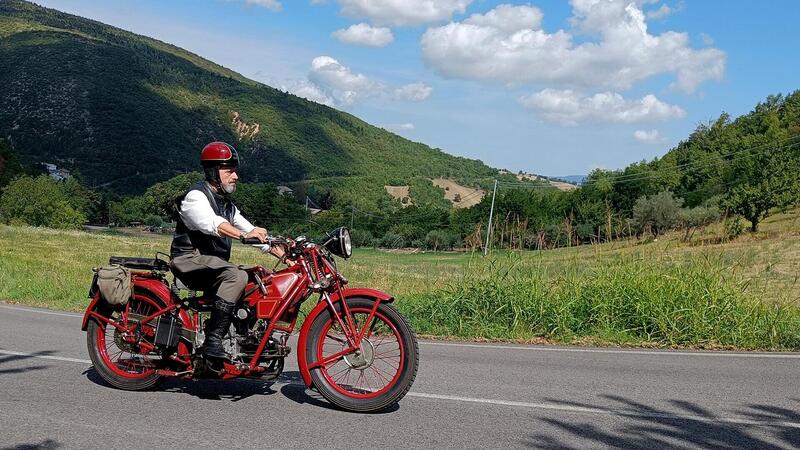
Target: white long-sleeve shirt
x=198, y=215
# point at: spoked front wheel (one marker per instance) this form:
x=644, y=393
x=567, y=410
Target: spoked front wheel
x=376, y=376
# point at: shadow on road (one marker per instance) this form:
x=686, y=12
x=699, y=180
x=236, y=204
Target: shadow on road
x=11, y=358
x=290, y=383
x=687, y=426
x=47, y=444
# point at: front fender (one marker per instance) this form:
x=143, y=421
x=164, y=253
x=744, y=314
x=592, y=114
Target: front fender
x=302, y=363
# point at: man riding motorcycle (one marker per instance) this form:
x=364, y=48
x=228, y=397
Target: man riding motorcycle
x=201, y=246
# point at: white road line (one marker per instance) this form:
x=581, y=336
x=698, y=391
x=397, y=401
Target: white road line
x=602, y=411
x=41, y=311
x=617, y=351
x=515, y=404
x=529, y=348
x=55, y=358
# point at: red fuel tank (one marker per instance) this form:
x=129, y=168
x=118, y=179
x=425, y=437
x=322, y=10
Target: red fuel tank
x=278, y=287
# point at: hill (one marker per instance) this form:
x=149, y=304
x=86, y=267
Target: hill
x=126, y=111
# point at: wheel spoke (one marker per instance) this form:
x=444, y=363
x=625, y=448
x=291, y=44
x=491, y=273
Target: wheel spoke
x=368, y=378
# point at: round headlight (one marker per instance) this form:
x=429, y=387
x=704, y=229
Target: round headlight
x=347, y=243
x=339, y=243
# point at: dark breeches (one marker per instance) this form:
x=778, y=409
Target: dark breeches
x=210, y=274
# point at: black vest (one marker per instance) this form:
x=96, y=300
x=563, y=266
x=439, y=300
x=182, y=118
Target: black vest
x=186, y=241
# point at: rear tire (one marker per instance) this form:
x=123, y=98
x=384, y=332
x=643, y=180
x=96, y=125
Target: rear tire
x=137, y=372
x=389, y=364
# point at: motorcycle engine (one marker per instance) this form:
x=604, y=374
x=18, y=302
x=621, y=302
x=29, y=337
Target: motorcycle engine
x=230, y=343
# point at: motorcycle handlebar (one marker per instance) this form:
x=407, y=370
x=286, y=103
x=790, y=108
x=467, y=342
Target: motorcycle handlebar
x=270, y=240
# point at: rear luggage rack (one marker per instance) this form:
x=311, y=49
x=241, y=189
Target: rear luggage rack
x=139, y=263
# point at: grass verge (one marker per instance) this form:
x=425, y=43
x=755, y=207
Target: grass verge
x=629, y=300
x=741, y=294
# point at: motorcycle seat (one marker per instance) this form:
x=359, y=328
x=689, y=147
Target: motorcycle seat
x=139, y=263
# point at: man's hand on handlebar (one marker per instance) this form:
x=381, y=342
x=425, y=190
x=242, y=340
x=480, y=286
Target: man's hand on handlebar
x=258, y=233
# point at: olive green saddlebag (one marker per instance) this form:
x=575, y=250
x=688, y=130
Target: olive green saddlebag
x=114, y=283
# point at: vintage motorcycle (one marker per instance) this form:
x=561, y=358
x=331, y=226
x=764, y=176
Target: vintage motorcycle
x=353, y=347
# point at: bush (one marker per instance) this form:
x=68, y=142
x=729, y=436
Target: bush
x=699, y=217
x=39, y=202
x=361, y=237
x=441, y=240
x=409, y=232
x=392, y=240
x=154, y=221
x=656, y=213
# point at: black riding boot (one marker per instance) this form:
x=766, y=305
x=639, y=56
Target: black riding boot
x=216, y=328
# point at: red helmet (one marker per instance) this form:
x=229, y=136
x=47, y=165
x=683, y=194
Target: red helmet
x=216, y=155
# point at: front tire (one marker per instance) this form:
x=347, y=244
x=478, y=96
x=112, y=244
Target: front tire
x=117, y=362
x=384, y=370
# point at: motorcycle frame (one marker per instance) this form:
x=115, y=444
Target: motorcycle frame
x=317, y=275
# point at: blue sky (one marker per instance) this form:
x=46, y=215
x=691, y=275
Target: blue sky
x=549, y=87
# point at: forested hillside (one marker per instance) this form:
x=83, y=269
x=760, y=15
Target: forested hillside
x=127, y=111
x=725, y=170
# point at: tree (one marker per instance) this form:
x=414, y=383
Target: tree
x=658, y=213
x=159, y=199
x=264, y=206
x=39, y=202
x=765, y=174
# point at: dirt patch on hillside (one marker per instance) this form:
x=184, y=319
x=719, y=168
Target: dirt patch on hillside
x=400, y=193
x=461, y=196
x=243, y=129
x=563, y=186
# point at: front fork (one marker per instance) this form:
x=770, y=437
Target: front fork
x=352, y=333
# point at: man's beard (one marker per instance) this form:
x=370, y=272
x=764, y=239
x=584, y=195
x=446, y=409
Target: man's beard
x=228, y=188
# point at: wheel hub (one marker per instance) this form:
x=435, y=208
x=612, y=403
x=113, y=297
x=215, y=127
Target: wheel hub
x=121, y=342
x=362, y=358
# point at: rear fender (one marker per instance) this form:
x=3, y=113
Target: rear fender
x=302, y=362
x=150, y=287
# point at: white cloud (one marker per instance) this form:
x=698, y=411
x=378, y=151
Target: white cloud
x=508, y=45
x=415, y=92
x=400, y=127
x=310, y=91
x=567, y=107
x=273, y=5
x=332, y=83
x=647, y=137
x=364, y=34
x=707, y=40
x=509, y=18
x=339, y=82
x=403, y=12
x=659, y=13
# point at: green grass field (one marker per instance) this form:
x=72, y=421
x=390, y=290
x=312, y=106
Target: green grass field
x=739, y=294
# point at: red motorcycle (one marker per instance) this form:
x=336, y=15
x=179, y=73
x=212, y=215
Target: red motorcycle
x=354, y=347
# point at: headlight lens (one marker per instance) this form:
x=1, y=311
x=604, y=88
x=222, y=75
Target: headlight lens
x=347, y=243
x=339, y=243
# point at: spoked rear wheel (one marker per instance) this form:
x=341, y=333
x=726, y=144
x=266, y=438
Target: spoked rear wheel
x=377, y=376
x=126, y=360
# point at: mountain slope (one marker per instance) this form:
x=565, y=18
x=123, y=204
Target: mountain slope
x=126, y=111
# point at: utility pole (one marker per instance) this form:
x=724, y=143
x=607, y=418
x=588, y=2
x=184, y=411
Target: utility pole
x=352, y=215
x=306, y=203
x=489, y=226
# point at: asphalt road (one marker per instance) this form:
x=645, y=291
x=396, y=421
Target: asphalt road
x=465, y=396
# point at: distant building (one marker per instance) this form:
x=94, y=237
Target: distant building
x=285, y=190
x=56, y=173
